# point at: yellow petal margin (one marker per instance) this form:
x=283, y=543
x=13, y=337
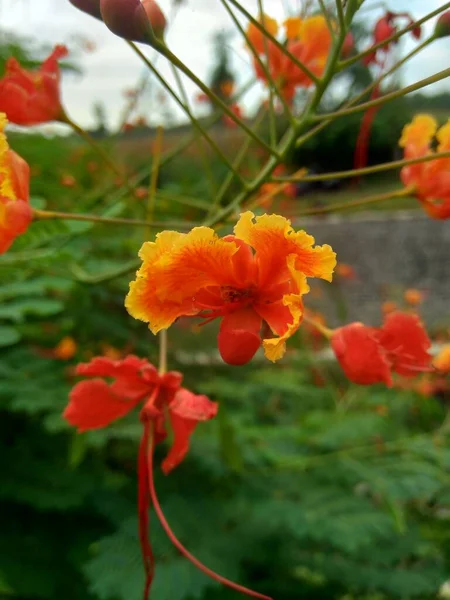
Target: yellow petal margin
x=419, y=132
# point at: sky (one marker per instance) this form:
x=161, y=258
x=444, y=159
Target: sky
x=111, y=68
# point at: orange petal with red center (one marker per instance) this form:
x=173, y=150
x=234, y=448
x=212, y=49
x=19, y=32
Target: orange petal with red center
x=239, y=336
x=174, y=268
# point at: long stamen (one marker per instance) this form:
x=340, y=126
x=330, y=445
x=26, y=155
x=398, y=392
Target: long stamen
x=143, y=508
x=179, y=546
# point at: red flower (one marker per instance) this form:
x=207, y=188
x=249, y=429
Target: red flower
x=33, y=97
x=15, y=212
x=369, y=355
x=384, y=28
x=95, y=403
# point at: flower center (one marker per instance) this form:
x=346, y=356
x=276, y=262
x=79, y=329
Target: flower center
x=232, y=295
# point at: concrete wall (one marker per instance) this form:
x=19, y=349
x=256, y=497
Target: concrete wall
x=390, y=253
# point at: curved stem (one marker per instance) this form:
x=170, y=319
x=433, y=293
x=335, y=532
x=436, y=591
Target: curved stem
x=386, y=98
x=396, y=164
x=356, y=203
x=179, y=546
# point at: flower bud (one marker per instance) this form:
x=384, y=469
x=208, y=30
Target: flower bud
x=91, y=7
x=134, y=20
x=442, y=28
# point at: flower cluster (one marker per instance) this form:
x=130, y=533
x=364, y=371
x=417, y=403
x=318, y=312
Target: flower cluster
x=253, y=280
x=15, y=211
x=429, y=181
x=307, y=40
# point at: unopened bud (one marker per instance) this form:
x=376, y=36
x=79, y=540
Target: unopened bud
x=91, y=7
x=442, y=28
x=348, y=45
x=134, y=20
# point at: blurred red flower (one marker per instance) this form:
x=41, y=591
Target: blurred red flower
x=33, y=97
x=370, y=355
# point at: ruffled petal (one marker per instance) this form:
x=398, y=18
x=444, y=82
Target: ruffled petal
x=93, y=405
x=186, y=411
x=419, y=132
x=174, y=268
x=274, y=240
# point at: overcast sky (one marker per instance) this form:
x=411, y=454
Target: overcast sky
x=112, y=67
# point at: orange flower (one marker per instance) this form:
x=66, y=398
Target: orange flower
x=413, y=297
x=345, y=271
x=442, y=360
x=369, y=355
x=258, y=275
x=65, y=349
x=227, y=88
x=388, y=307
x=33, y=97
x=68, y=181
x=309, y=40
x=15, y=212
x=430, y=180
x=256, y=36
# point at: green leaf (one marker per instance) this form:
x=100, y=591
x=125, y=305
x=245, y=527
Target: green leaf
x=8, y=336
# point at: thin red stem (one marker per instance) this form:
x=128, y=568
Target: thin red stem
x=143, y=508
x=179, y=546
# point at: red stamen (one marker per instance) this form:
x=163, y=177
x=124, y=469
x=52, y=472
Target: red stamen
x=179, y=546
x=143, y=508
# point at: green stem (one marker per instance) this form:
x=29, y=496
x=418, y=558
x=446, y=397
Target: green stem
x=289, y=139
x=162, y=368
x=236, y=165
x=39, y=215
x=395, y=36
x=402, y=193
x=214, y=98
x=340, y=14
x=202, y=149
x=185, y=108
x=396, y=164
x=386, y=98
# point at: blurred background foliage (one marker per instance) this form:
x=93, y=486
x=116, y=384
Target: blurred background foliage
x=304, y=486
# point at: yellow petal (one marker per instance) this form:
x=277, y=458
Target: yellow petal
x=274, y=240
x=419, y=132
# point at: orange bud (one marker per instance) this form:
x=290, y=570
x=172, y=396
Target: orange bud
x=413, y=297
x=388, y=307
x=66, y=349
